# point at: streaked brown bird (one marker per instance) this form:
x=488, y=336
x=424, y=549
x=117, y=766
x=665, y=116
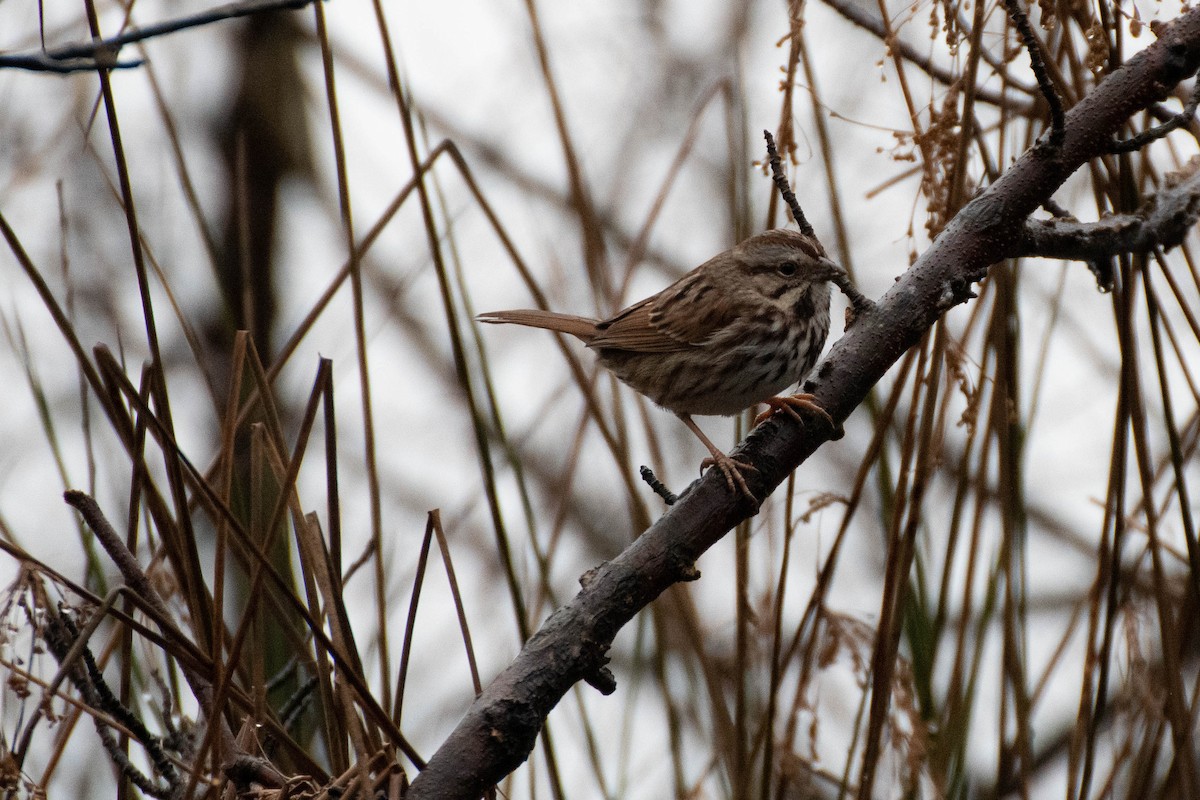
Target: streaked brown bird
x=735, y=331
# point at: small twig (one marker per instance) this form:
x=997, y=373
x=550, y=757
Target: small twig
x=298, y=703
x=137, y=580
x=102, y=53
x=115, y=546
x=1053, y=208
x=177, y=740
x=1037, y=61
x=659, y=489
x=1163, y=114
x=859, y=302
x=108, y=702
x=46, y=61
x=62, y=637
x=1159, y=131
x=785, y=189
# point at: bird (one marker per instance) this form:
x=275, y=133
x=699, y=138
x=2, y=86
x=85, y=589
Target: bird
x=734, y=332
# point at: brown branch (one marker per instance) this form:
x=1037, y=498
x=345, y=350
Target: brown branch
x=1161, y=222
x=102, y=53
x=499, y=730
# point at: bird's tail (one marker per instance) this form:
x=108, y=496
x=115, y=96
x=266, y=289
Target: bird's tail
x=582, y=328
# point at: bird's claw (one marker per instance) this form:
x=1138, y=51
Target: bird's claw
x=731, y=468
x=791, y=404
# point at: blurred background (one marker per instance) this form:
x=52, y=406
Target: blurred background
x=597, y=152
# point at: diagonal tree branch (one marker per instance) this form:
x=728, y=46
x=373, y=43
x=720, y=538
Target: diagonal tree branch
x=499, y=730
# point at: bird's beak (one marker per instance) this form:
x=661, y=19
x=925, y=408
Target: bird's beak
x=830, y=269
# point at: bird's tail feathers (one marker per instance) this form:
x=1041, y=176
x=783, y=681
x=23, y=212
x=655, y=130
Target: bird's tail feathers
x=582, y=328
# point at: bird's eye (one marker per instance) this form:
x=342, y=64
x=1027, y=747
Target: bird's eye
x=788, y=268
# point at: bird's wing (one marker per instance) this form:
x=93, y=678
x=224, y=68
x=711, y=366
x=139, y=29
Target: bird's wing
x=680, y=317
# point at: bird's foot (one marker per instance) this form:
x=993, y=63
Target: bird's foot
x=792, y=404
x=731, y=468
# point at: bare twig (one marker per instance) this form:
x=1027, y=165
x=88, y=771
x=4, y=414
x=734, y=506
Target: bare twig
x=62, y=636
x=1159, y=131
x=1163, y=221
x=785, y=189
x=657, y=486
x=1051, y=205
x=102, y=53
x=138, y=581
x=1038, y=63
x=860, y=304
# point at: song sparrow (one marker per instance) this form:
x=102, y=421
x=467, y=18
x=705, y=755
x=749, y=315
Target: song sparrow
x=733, y=332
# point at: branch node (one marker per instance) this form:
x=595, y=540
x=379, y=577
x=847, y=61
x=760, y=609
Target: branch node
x=588, y=578
x=860, y=305
x=686, y=572
x=953, y=293
x=1104, y=272
x=246, y=772
x=946, y=300
x=602, y=680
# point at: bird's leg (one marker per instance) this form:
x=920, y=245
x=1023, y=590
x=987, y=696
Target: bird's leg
x=790, y=405
x=730, y=468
